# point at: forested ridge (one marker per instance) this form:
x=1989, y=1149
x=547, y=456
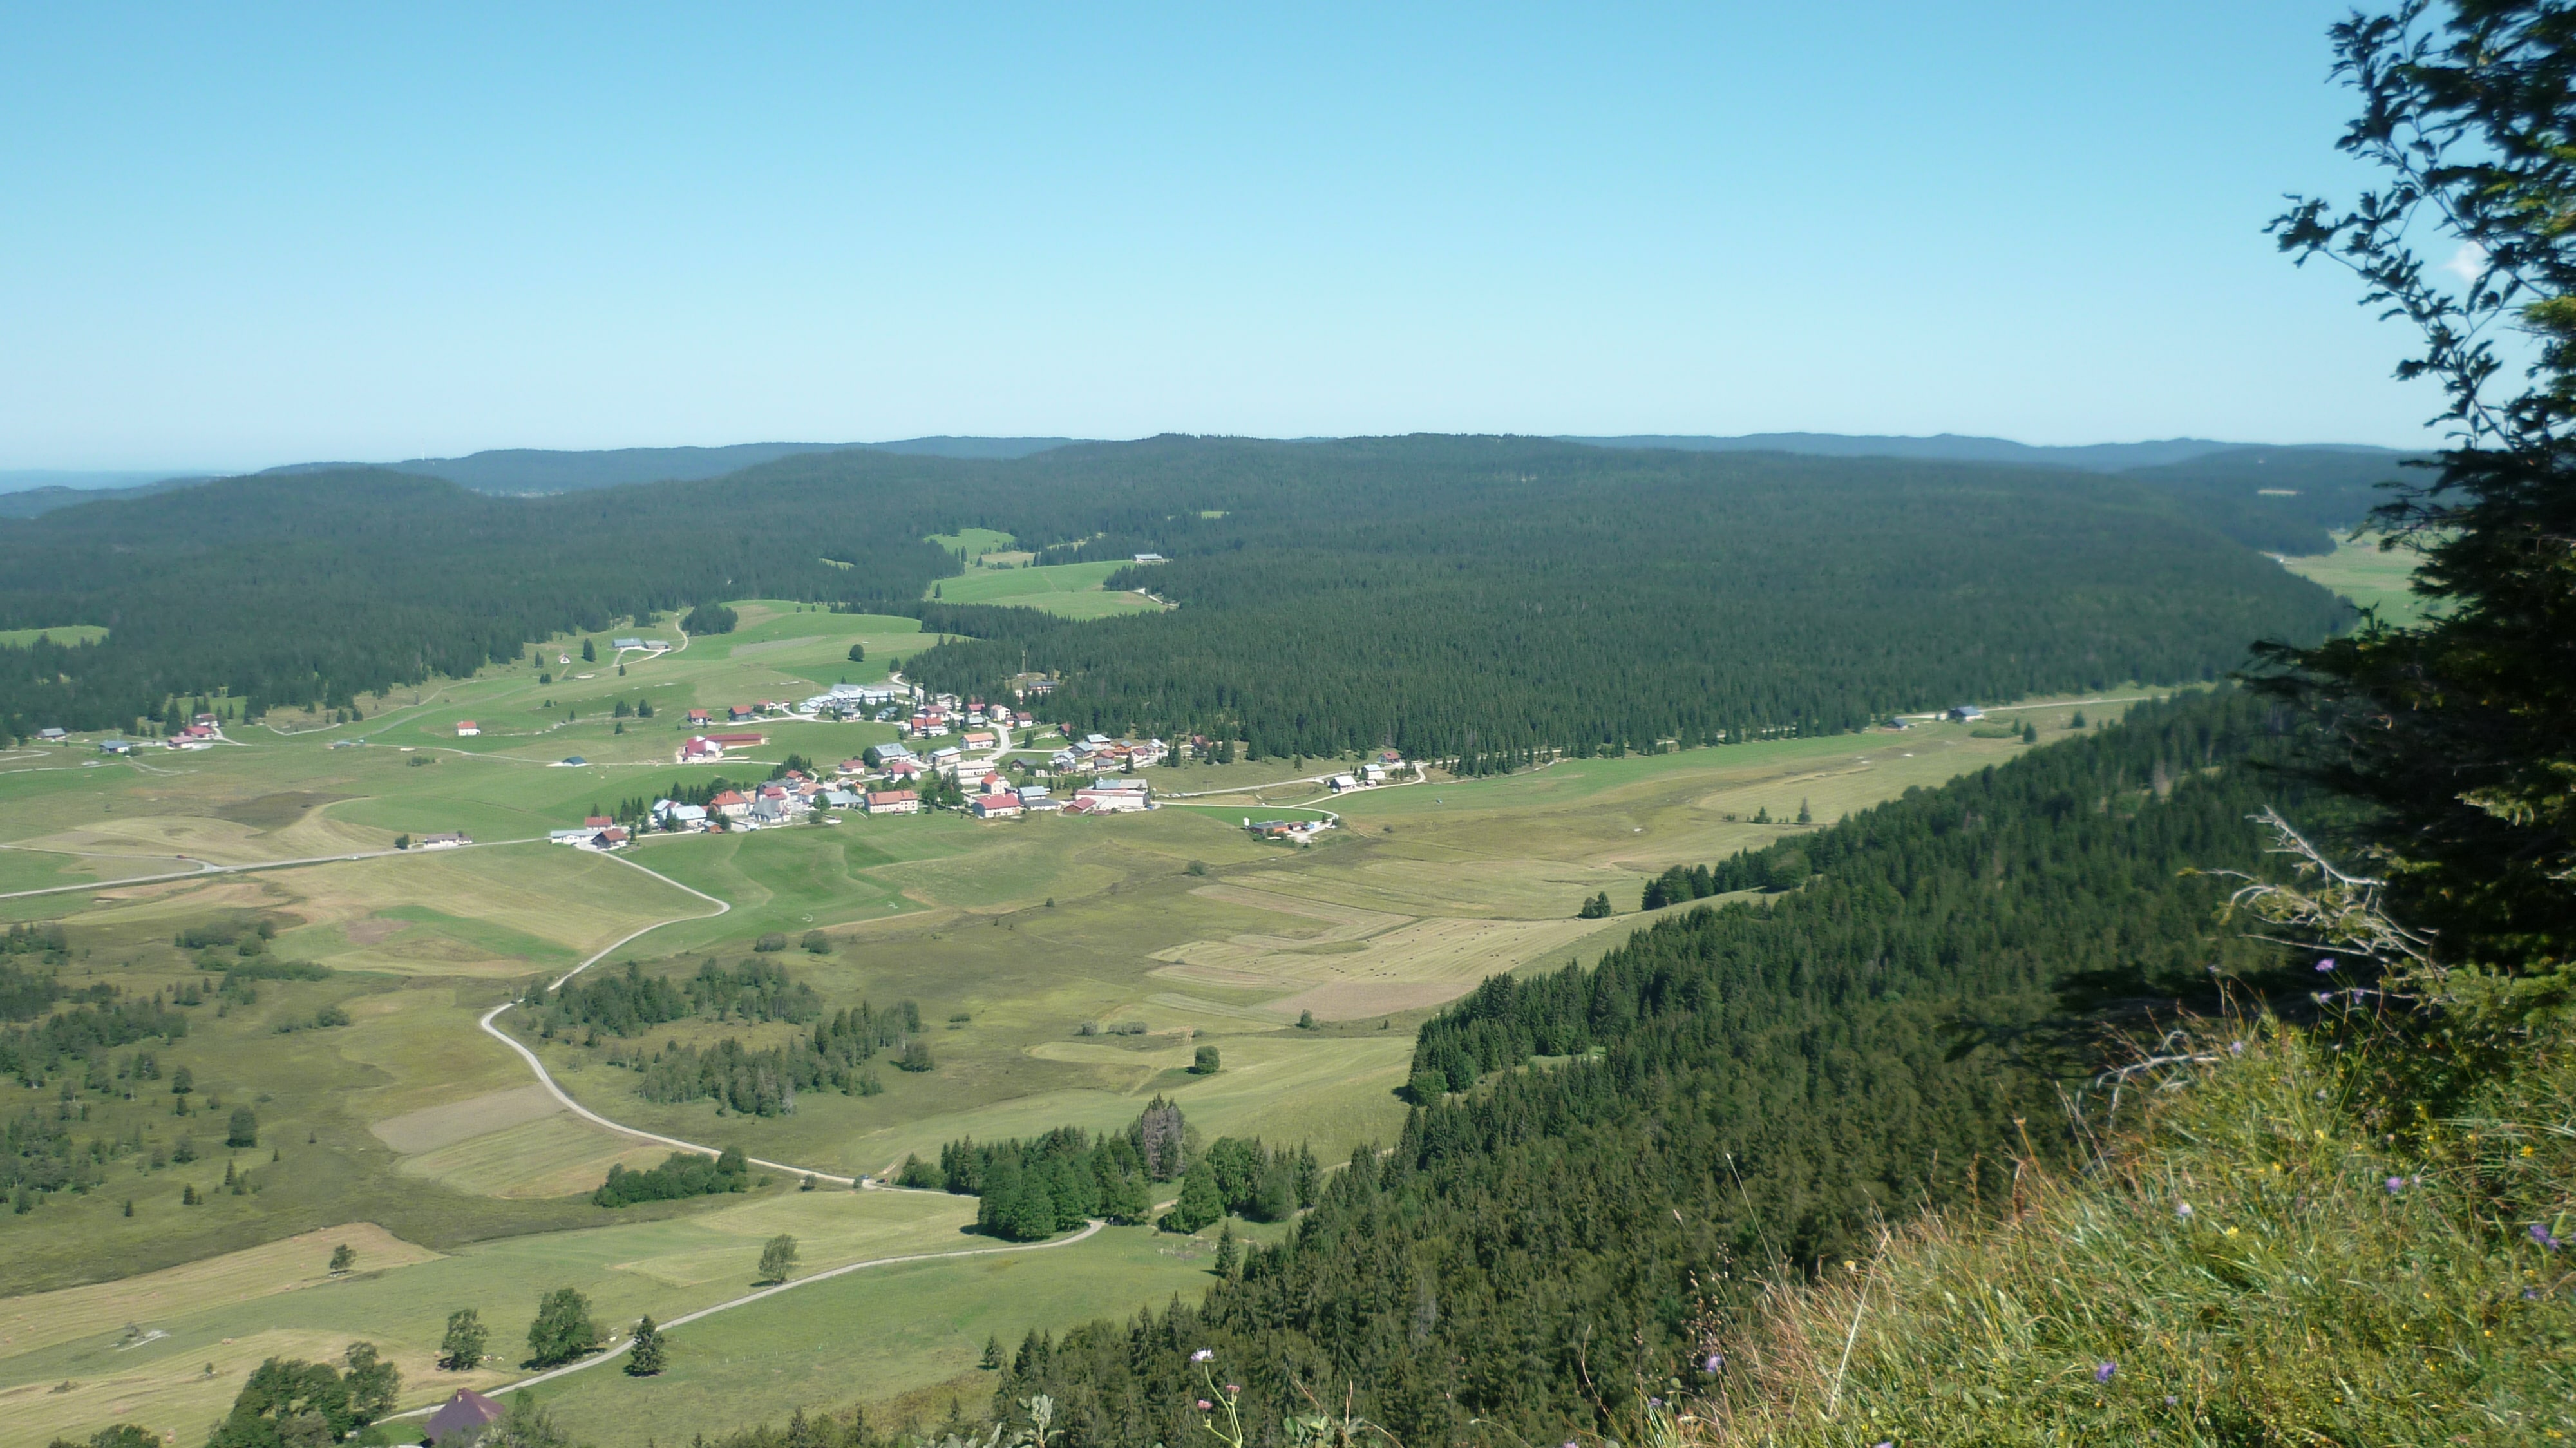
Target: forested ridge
x=1482, y=598
x=1733, y=1088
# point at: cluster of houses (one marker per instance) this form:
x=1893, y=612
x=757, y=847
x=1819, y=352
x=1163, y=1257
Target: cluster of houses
x=1097, y=753
x=1388, y=768
x=203, y=732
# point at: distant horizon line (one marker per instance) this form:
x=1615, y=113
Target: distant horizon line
x=21, y=479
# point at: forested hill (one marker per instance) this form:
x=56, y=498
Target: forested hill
x=1488, y=599
x=1476, y=597
x=1733, y=1089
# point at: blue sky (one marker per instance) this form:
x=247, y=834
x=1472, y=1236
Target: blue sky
x=249, y=235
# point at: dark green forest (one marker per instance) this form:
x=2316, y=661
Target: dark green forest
x=1624, y=1151
x=1483, y=598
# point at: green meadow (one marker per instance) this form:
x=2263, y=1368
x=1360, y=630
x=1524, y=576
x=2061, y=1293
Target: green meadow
x=1066, y=971
x=69, y=633
x=2362, y=573
x=1070, y=590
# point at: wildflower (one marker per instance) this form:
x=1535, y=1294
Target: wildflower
x=2170, y=1400
x=2103, y=1373
x=1654, y=1402
x=1715, y=1361
x=2325, y=965
x=1231, y=1389
x=1202, y=1355
x=2531, y=1294
x=1205, y=1405
x=2541, y=1235
x=2183, y=1210
x=2396, y=1185
x=2236, y=1048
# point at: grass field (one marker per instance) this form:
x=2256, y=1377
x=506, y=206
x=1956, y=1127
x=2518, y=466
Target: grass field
x=1010, y=936
x=2369, y=578
x=70, y=633
x=1070, y=590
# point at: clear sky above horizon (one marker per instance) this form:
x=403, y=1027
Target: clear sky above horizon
x=246, y=237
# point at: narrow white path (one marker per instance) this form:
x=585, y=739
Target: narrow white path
x=547, y=1080
x=684, y=1319
x=207, y=867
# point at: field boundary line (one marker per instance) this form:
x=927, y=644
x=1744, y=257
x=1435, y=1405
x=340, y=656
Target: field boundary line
x=209, y=867
x=612, y=1354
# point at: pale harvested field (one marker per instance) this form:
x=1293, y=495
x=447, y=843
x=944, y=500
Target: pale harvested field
x=171, y=1390
x=1342, y=922
x=552, y=1156
x=223, y=841
x=1426, y=952
x=1353, y=1000
x=428, y=1129
x=44, y=1318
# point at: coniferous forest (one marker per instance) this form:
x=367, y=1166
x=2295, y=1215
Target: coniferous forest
x=1477, y=598
x=1621, y=1154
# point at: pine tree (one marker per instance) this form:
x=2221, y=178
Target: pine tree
x=644, y=1357
x=1806, y=816
x=992, y=1360
x=1227, y=1258
x=1200, y=1203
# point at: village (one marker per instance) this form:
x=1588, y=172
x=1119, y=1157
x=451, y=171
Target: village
x=1078, y=775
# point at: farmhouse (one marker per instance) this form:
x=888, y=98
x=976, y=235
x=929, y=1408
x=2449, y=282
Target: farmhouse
x=1149, y=558
x=893, y=802
x=1965, y=712
x=52, y=736
x=700, y=750
x=881, y=755
x=996, y=806
x=840, y=799
x=467, y=729
x=730, y=804
x=464, y=1417
x=978, y=740
x=626, y=643
x=442, y=842
x=903, y=769
x=677, y=816
x=115, y=746
x=1110, y=801
x=698, y=717
x=738, y=741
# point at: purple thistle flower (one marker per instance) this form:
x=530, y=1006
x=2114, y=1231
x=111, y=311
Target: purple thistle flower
x=2236, y=1048
x=2170, y=1400
x=2396, y=1185
x=2541, y=1235
x=2325, y=965
x=2103, y=1373
x=1715, y=1361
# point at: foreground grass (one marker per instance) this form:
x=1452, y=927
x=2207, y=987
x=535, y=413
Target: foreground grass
x=2276, y=1261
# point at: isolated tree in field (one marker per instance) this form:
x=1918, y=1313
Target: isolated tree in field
x=992, y=1361
x=1806, y=816
x=1596, y=908
x=777, y=1258
x=462, y=1348
x=1204, y=1061
x=2460, y=730
x=343, y=1258
x=2029, y=735
x=915, y=1057
x=243, y=1129
x=817, y=943
x=562, y=1330
x=2077, y=722
x=858, y=653
x=182, y=1081
x=644, y=1355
